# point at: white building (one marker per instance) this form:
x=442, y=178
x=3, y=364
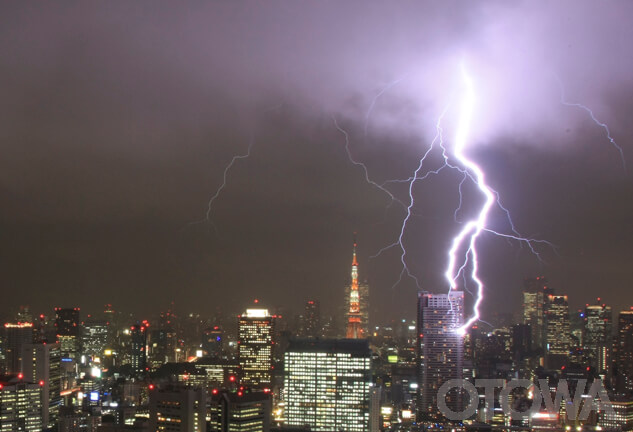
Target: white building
x=327, y=384
x=20, y=405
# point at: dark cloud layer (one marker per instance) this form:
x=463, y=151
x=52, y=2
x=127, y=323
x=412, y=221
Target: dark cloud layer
x=118, y=118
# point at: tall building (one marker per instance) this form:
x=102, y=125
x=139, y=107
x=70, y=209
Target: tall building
x=95, y=337
x=139, y=347
x=440, y=349
x=597, y=341
x=240, y=411
x=71, y=421
x=620, y=418
x=623, y=348
x=16, y=336
x=558, y=337
x=164, y=340
x=311, y=322
x=178, y=409
x=375, y=398
x=24, y=314
x=357, y=299
x=213, y=341
x=535, y=293
x=20, y=405
x=255, y=347
x=521, y=342
x=327, y=384
x=41, y=363
x=68, y=329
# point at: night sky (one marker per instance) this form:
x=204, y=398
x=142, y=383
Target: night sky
x=117, y=120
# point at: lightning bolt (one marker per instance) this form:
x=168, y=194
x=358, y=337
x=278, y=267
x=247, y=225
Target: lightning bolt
x=466, y=240
x=595, y=120
x=473, y=228
x=222, y=186
x=363, y=166
x=228, y=168
x=469, y=171
x=224, y=177
x=375, y=100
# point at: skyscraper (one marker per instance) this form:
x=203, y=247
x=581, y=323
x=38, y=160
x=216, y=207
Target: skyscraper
x=20, y=405
x=255, y=345
x=440, y=349
x=624, y=352
x=164, y=340
x=68, y=331
x=41, y=363
x=596, y=337
x=178, y=409
x=240, y=411
x=17, y=335
x=311, y=323
x=558, y=336
x=357, y=304
x=535, y=294
x=139, y=347
x=95, y=337
x=213, y=341
x=521, y=341
x=327, y=384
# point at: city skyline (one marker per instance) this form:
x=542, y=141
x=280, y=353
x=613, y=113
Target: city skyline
x=117, y=135
x=354, y=216
x=270, y=372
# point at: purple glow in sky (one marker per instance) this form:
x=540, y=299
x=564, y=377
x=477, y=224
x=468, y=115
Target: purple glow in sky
x=119, y=119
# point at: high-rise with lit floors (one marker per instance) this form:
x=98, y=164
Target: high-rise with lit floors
x=596, y=338
x=327, y=384
x=41, y=363
x=623, y=348
x=178, y=409
x=255, y=346
x=138, y=346
x=535, y=293
x=558, y=336
x=67, y=326
x=440, y=352
x=241, y=411
x=20, y=405
x=357, y=304
x=95, y=337
x=311, y=322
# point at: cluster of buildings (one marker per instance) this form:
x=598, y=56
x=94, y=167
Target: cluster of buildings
x=263, y=370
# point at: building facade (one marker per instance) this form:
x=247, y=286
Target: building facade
x=597, y=340
x=255, y=347
x=623, y=348
x=178, y=409
x=558, y=337
x=41, y=363
x=535, y=293
x=311, y=322
x=16, y=336
x=440, y=353
x=327, y=384
x=139, y=347
x=20, y=405
x=95, y=337
x=240, y=411
x=67, y=326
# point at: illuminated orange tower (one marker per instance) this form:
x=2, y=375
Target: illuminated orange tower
x=354, y=329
